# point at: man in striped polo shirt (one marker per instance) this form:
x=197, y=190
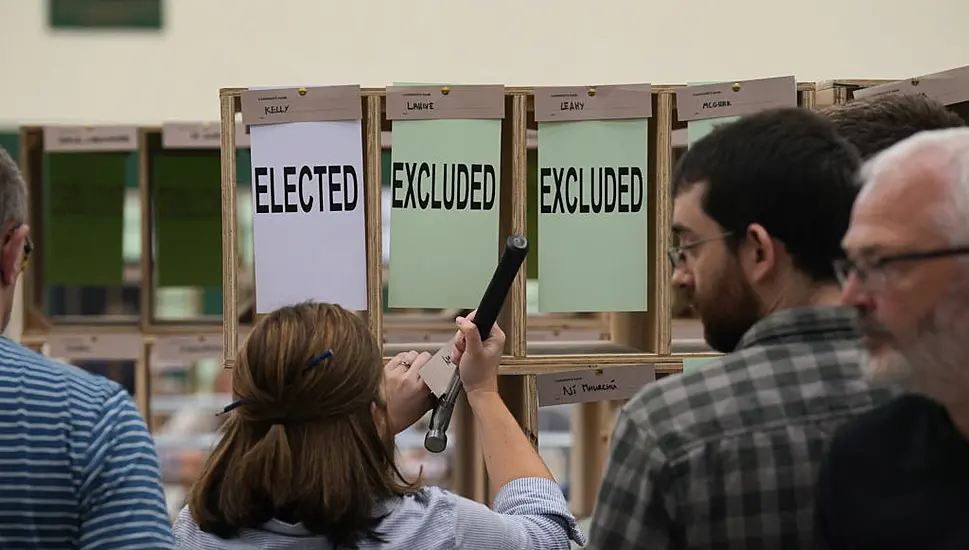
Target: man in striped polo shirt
x=78, y=468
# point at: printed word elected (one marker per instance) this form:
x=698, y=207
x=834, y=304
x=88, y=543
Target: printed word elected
x=424, y=186
x=595, y=190
x=305, y=189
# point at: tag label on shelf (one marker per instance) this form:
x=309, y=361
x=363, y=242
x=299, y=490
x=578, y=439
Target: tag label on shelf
x=438, y=370
x=63, y=139
x=105, y=347
x=586, y=386
x=188, y=348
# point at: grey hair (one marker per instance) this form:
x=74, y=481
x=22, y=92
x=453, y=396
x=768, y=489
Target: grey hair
x=949, y=148
x=13, y=191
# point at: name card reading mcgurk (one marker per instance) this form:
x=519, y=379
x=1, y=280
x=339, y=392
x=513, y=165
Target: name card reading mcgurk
x=739, y=98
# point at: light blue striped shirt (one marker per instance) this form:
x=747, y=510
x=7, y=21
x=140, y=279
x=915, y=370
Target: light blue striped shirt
x=78, y=468
x=529, y=514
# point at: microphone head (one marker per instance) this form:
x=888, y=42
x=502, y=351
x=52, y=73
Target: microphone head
x=435, y=441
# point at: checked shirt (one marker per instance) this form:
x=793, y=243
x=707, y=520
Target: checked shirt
x=726, y=456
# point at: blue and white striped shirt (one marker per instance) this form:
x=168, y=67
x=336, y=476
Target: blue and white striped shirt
x=78, y=468
x=529, y=513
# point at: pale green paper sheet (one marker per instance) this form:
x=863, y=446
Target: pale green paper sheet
x=593, y=262
x=443, y=259
x=697, y=129
x=691, y=364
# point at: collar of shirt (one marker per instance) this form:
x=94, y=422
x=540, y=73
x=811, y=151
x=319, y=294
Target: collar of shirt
x=802, y=324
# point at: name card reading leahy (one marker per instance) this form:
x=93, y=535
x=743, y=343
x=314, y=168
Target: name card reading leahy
x=593, y=149
x=307, y=188
x=445, y=187
x=199, y=135
x=69, y=139
x=739, y=98
x=585, y=386
x=104, y=347
x=947, y=87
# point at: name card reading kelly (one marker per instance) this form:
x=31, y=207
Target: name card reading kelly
x=307, y=188
x=68, y=139
x=445, y=102
x=319, y=104
x=735, y=98
x=199, y=135
x=188, y=348
x=947, y=87
x=585, y=386
x=612, y=102
x=105, y=347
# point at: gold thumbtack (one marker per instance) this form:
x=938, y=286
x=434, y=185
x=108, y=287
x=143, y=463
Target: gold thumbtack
x=445, y=90
x=592, y=92
x=736, y=86
x=598, y=372
x=915, y=81
x=301, y=91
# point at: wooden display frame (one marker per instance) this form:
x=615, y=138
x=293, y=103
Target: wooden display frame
x=150, y=144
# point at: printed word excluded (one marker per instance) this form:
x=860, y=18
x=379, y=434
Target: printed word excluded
x=427, y=186
x=601, y=190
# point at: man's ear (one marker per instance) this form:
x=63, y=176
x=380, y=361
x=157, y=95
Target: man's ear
x=11, y=255
x=759, y=252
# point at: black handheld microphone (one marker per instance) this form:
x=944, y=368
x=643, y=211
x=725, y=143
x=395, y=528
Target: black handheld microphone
x=516, y=248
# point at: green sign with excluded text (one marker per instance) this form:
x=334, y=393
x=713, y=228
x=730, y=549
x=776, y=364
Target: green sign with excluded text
x=592, y=215
x=187, y=194
x=83, y=234
x=445, y=187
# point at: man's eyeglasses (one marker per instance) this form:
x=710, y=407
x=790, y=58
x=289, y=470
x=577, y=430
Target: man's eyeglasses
x=872, y=272
x=676, y=253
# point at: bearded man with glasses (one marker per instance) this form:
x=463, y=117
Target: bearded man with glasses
x=726, y=456
x=898, y=477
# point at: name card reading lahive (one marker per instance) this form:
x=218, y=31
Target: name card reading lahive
x=611, y=102
x=69, y=139
x=735, y=98
x=105, y=347
x=284, y=105
x=585, y=386
x=446, y=102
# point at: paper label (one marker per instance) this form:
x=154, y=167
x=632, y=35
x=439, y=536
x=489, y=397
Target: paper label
x=585, y=386
x=189, y=348
x=105, y=347
x=439, y=369
x=69, y=139
x=189, y=135
x=285, y=105
x=947, y=87
x=740, y=98
x=445, y=102
x=613, y=102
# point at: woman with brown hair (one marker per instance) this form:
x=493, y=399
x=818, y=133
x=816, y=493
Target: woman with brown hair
x=306, y=460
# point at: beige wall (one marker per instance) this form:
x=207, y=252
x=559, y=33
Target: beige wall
x=207, y=44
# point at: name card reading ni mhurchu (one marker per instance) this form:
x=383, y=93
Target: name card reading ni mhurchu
x=446, y=102
x=199, y=135
x=319, y=104
x=611, y=102
x=67, y=139
x=188, y=348
x=105, y=347
x=585, y=386
x=735, y=98
x=947, y=87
